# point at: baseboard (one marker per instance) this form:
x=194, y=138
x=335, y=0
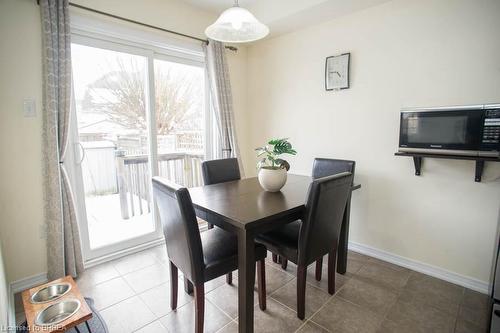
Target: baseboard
x=12, y=312
x=18, y=286
x=29, y=282
x=461, y=280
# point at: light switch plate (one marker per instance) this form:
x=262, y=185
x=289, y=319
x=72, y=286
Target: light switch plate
x=29, y=107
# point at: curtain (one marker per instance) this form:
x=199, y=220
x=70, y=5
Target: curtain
x=221, y=100
x=64, y=254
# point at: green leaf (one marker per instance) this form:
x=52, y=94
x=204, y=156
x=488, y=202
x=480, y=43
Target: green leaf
x=272, y=151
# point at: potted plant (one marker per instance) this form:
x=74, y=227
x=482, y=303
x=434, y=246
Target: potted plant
x=272, y=168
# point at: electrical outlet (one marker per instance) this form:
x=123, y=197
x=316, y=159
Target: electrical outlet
x=29, y=107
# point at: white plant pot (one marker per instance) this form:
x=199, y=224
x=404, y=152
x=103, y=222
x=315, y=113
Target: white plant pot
x=272, y=180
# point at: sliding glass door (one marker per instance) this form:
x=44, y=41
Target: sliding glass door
x=138, y=114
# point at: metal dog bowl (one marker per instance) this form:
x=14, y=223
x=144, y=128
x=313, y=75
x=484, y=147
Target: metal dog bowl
x=50, y=293
x=58, y=312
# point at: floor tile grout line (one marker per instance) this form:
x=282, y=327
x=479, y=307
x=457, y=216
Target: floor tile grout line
x=324, y=305
x=218, y=308
x=223, y=327
x=283, y=286
x=149, y=323
x=320, y=308
x=119, y=273
x=138, y=269
x=458, y=310
x=133, y=290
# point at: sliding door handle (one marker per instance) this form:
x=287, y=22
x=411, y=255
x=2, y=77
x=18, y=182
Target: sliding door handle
x=82, y=153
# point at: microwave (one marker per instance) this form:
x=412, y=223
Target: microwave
x=472, y=130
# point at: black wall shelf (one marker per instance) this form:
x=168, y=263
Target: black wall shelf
x=417, y=161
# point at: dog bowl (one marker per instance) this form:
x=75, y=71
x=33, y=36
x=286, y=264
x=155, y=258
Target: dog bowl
x=50, y=293
x=57, y=312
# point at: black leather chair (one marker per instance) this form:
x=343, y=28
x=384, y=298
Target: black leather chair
x=323, y=167
x=200, y=257
x=317, y=235
x=220, y=171
x=326, y=167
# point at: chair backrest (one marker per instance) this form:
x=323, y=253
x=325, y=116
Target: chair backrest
x=325, y=206
x=180, y=228
x=220, y=171
x=323, y=167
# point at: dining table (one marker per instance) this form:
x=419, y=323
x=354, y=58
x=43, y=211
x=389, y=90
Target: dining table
x=245, y=208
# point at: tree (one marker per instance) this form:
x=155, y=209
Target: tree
x=120, y=95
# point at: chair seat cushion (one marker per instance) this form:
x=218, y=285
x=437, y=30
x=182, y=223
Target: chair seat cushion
x=283, y=241
x=220, y=252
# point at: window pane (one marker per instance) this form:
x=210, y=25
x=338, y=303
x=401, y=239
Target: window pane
x=111, y=111
x=180, y=119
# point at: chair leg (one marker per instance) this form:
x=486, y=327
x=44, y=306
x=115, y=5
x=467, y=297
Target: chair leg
x=199, y=296
x=188, y=286
x=229, y=278
x=332, y=256
x=261, y=283
x=284, y=262
x=319, y=268
x=210, y=226
x=301, y=291
x=275, y=258
x=174, y=282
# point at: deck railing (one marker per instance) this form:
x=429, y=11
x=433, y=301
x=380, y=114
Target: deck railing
x=134, y=178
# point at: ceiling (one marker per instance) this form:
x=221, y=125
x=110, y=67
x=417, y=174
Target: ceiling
x=287, y=15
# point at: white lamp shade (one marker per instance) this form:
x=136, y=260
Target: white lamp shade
x=237, y=25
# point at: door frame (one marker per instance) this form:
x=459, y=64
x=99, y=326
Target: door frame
x=109, y=39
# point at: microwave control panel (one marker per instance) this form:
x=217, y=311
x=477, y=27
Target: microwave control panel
x=491, y=129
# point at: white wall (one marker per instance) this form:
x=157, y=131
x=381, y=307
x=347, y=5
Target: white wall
x=404, y=53
x=4, y=295
x=21, y=195
x=21, y=213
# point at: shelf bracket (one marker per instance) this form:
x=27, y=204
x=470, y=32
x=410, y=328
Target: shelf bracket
x=417, y=160
x=479, y=170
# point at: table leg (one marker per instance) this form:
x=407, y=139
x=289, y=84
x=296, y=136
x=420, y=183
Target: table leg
x=88, y=326
x=246, y=281
x=344, y=239
x=188, y=286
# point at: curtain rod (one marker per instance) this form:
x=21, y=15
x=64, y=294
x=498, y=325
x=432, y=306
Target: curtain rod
x=232, y=48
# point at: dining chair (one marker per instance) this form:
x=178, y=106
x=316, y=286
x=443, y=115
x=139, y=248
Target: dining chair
x=220, y=171
x=326, y=167
x=323, y=167
x=201, y=257
x=304, y=242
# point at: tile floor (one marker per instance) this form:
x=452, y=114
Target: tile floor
x=132, y=294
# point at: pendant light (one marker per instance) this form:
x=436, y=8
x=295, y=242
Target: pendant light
x=237, y=25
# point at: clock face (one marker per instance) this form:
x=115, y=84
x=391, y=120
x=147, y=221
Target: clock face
x=337, y=72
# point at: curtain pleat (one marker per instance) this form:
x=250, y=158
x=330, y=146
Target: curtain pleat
x=64, y=254
x=221, y=99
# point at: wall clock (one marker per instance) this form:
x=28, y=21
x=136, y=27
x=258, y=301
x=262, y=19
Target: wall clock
x=337, y=72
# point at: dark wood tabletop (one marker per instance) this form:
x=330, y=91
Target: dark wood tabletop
x=244, y=204
x=245, y=208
